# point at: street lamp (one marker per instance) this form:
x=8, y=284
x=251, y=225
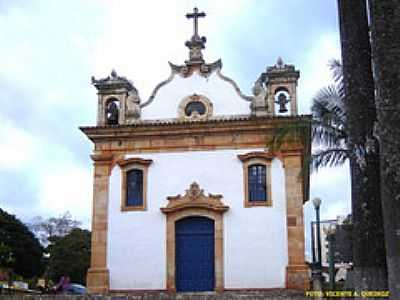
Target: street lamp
x=317, y=270
x=317, y=204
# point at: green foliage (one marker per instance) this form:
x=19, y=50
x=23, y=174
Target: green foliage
x=70, y=256
x=329, y=128
x=298, y=131
x=344, y=241
x=329, y=157
x=6, y=255
x=293, y=132
x=19, y=249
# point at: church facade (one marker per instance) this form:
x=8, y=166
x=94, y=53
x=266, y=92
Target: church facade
x=188, y=195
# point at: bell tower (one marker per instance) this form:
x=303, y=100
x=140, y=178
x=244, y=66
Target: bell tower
x=118, y=100
x=281, y=83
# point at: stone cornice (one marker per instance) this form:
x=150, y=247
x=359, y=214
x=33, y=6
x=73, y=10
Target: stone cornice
x=189, y=127
x=195, y=198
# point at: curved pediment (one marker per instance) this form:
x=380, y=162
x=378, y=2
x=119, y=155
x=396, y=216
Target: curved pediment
x=195, y=198
x=204, y=79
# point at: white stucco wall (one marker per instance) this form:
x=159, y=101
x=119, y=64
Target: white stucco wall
x=255, y=239
x=222, y=94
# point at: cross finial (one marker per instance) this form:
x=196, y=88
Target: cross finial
x=196, y=43
x=195, y=16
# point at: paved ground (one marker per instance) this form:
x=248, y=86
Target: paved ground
x=268, y=295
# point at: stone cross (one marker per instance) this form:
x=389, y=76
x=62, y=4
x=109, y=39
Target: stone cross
x=195, y=16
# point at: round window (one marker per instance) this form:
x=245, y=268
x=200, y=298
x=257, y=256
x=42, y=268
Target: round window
x=195, y=106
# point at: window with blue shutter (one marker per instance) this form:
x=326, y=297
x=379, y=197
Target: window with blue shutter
x=257, y=183
x=134, y=190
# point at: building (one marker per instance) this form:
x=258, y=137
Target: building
x=343, y=242
x=324, y=227
x=187, y=194
x=343, y=253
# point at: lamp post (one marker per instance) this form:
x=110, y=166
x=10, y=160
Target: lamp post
x=314, y=260
x=317, y=272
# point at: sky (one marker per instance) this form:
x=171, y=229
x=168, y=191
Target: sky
x=50, y=50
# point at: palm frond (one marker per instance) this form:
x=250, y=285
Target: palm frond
x=327, y=135
x=328, y=105
x=328, y=157
x=337, y=69
x=329, y=118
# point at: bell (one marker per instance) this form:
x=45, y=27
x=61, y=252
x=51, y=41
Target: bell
x=282, y=101
x=112, y=113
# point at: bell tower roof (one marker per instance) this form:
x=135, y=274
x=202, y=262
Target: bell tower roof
x=280, y=70
x=112, y=82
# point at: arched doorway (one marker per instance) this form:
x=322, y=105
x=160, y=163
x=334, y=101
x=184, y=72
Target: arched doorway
x=195, y=254
x=199, y=221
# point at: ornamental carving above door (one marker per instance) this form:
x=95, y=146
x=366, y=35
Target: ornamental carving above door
x=195, y=198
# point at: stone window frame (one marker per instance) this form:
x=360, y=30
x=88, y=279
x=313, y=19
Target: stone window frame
x=195, y=98
x=256, y=158
x=130, y=164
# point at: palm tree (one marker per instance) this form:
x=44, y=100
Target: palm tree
x=335, y=144
x=330, y=136
x=329, y=123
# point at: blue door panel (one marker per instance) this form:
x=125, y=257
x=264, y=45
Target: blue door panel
x=194, y=254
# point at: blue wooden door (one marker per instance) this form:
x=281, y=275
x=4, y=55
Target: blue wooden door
x=194, y=254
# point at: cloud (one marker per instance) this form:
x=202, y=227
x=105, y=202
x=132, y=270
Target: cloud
x=332, y=185
x=69, y=190
x=17, y=191
x=52, y=48
x=139, y=40
x=17, y=147
x=41, y=178
x=316, y=73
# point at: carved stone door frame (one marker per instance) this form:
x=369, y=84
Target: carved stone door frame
x=195, y=203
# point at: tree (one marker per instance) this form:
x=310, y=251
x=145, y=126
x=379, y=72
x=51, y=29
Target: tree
x=385, y=21
x=6, y=255
x=344, y=241
x=19, y=248
x=330, y=130
x=329, y=123
x=70, y=256
x=48, y=229
x=363, y=147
